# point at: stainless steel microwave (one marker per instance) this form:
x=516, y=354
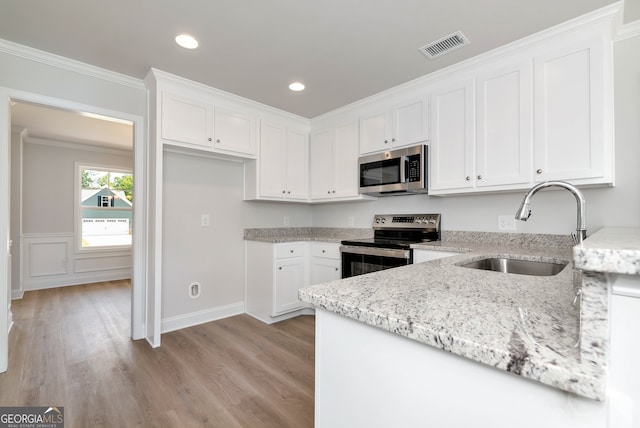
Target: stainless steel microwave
x=396, y=172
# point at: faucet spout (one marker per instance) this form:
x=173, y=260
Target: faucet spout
x=524, y=212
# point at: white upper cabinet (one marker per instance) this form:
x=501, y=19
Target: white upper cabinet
x=321, y=155
x=375, y=132
x=410, y=121
x=282, y=169
x=197, y=122
x=482, y=141
x=234, y=131
x=503, y=126
x=452, y=145
x=186, y=120
x=272, y=158
x=403, y=124
x=334, y=162
x=542, y=114
x=572, y=141
x=297, y=165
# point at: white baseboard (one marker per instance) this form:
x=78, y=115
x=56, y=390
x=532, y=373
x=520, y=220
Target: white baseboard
x=17, y=294
x=201, y=317
x=268, y=319
x=75, y=279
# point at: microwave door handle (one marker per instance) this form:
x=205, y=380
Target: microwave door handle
x=404, y=168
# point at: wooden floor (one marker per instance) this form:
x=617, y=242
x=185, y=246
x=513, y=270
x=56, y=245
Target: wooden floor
x=71, y=347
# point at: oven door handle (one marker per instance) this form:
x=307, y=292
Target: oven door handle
x=374, y=251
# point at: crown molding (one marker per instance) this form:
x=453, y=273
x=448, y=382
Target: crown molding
x=64, y=63
x=627, y=31
x=65, y=142
x=156, y=75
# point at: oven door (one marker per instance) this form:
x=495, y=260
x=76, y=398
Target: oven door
x=358, y=260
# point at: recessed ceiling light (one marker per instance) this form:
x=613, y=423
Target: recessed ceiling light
x=186, y=41
x=296, y=86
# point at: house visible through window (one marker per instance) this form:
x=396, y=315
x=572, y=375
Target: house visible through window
x=106, y=207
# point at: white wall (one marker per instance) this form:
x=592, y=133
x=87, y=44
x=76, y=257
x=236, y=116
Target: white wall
x=20, y=73
x=553, y=211
x=49, y=182
x=212, y=256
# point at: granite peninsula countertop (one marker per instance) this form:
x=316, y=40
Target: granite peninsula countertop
x=525, y=325
x=610, y=250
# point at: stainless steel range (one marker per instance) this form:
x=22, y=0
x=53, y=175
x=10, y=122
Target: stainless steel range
x=391, y=245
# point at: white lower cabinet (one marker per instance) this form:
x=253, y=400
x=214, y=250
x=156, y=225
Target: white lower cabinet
x=325, y=262
x=420, y=256
x=290, y=275
x=275, y=273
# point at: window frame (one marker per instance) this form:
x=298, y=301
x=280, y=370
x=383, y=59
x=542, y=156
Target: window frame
x=79, y=168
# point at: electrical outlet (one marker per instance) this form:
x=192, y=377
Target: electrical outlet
x=285, y=220
x=506, y=222
x=194, y=290
x=204, y=220
x=350, y=221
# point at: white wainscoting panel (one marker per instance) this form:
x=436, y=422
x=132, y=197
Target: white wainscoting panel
x=102, y=263
x=48, y=257
x=50, y=260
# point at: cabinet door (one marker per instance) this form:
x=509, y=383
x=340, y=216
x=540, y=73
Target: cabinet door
x=322, y=159
x=374, y=132
x=345, y=160
x=324, y=270
x=186, y=120
x=411, y=122
x=503, y=144
x=452, y=140
x=272, y=161
x=569, y=115
x=289, y=278
x=234, y=132
x=297, y=166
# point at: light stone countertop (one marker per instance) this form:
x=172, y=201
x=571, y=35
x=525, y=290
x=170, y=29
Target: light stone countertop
x=524, y=325
x=610, y=250
x=290, y=234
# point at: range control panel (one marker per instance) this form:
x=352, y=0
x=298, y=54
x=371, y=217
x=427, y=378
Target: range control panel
x=418, y=221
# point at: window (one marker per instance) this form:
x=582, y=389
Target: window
x=106, y=207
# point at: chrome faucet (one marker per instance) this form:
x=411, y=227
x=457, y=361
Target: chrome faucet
x=524, y=212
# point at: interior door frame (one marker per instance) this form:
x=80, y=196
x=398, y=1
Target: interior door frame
x=139, y=280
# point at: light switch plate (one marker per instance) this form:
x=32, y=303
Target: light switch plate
x=204, y=220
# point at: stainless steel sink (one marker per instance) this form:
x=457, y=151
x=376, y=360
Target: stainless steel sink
x=520, y=267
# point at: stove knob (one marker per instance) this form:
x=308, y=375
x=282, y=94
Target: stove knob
x=377, y=220
x=383, y=220
x=432, y=220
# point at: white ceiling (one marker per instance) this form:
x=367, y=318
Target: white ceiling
x=71, y=127
x=343, y=50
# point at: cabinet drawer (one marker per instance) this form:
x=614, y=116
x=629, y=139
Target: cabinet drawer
x=326, y=250
x=290, y=249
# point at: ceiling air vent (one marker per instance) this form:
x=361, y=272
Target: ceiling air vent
x=444, y=45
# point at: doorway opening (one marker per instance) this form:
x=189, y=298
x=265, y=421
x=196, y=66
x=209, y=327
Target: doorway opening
x=48, y=203
x=137, y=267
